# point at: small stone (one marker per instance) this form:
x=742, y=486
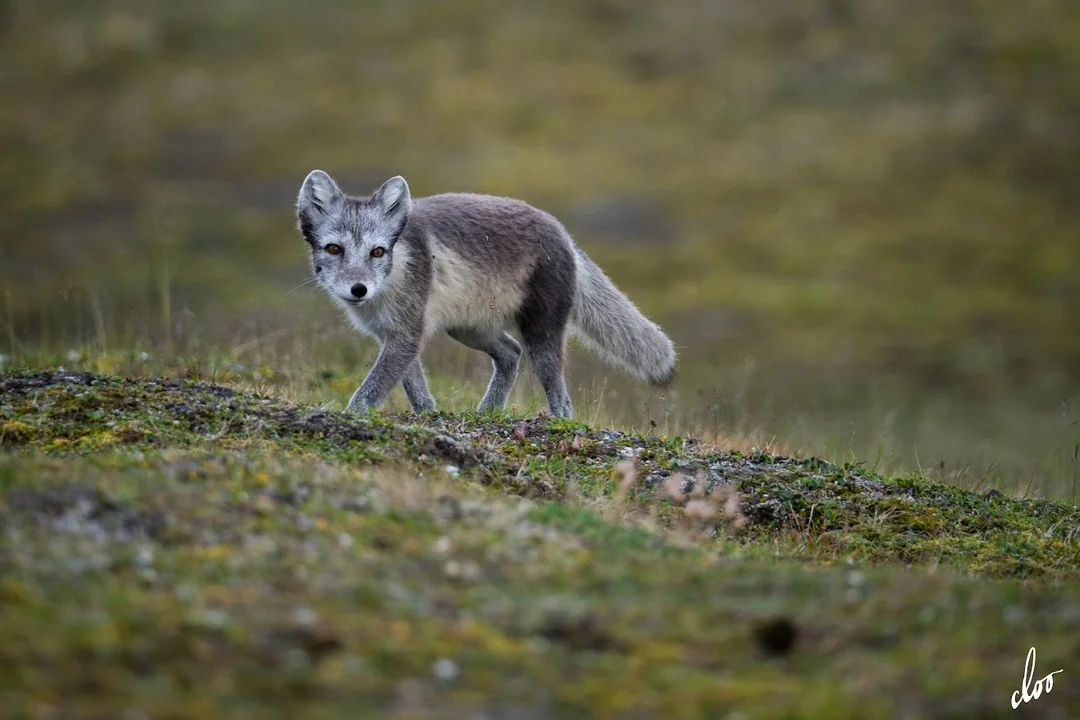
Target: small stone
x=356, y=504
x=443, y=545
x=144, y=558
x=187, y=593
x=264, y=505
x=261, y=545
x=295, y=659
x=470, y=570
x=445, y=669
x=466, y=570
x=448, y=508
x=304, y=616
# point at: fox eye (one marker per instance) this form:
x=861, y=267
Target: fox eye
x=378, y=252
x=333, y=249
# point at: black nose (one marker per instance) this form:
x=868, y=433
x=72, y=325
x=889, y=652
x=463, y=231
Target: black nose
x=359, y=290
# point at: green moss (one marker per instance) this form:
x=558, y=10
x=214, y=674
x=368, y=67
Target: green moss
x=227, y=550
x=909, y=518
x=13, y=432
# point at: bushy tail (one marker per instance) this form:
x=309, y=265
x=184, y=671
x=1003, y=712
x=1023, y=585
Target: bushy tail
x=609, y=323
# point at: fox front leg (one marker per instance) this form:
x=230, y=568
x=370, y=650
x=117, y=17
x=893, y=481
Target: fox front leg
x=416, y=388
x=390, y=367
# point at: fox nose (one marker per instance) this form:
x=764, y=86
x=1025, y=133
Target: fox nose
x=359, y=290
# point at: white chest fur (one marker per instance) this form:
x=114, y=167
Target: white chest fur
x=465, y=294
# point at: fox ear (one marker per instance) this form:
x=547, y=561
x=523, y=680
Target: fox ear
x=394, y=198
x=319, y=194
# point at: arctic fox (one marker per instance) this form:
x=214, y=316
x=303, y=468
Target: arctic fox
x=473, y=266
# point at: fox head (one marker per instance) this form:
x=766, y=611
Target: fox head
x=351, y=238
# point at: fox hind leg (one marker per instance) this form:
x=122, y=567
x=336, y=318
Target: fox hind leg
x=505, y=353
x=546, y=357
x=543, y=320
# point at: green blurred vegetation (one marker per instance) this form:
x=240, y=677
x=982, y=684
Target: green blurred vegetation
x=857, y=219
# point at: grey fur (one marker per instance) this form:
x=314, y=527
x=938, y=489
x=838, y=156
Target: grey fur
x=505, y=353
x=472, y=266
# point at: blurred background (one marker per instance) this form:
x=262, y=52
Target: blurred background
x=857, y=218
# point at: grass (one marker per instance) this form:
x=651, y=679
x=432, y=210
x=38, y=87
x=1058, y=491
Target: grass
x=321, y=361
x=181, y=548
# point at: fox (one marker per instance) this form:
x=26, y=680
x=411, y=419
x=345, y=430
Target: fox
x=476, y=267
